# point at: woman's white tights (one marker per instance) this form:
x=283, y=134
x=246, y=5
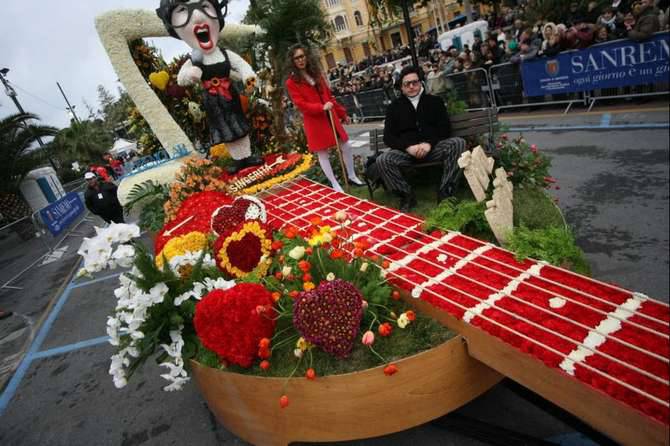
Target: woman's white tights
x=348, y=156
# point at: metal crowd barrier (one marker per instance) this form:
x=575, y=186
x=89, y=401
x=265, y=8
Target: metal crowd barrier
x=499, y=87
x=472, y=87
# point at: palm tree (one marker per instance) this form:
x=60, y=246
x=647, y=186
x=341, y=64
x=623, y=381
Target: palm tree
x=17, y=137
x=83, y=141
x=285, y=22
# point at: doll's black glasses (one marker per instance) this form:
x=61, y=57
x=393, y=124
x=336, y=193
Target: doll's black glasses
x=182, y=14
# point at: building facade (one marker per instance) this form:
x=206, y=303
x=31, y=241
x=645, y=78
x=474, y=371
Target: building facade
x=354, y=39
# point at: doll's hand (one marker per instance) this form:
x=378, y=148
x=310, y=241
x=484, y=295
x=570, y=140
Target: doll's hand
x=188, y=75
x=250, y=84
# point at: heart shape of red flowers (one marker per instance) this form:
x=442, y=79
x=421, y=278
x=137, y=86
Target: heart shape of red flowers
x=231, y=215
x=228, y=321
x=330, y=316
x=244, y=248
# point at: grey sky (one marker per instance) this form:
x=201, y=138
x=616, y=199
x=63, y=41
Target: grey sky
x=43, y=42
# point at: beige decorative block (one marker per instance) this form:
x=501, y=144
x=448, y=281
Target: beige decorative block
x=500, y=209
x=477, y=167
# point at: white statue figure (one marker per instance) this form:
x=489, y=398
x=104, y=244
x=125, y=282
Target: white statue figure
x=500, y=210
x=477, y=167
x=198, y=23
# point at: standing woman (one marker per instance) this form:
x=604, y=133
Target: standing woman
x=310, y=93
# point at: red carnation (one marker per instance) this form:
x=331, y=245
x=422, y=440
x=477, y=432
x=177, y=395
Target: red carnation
x=227, y=323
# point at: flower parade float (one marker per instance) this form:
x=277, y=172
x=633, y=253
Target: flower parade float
x=266, y=301
x=290, y=335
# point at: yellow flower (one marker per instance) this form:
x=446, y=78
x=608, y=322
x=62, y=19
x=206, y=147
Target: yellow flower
x=303, y=167
x=308, y=286
x=219, y=151
x=180, y=245
x=302, y=344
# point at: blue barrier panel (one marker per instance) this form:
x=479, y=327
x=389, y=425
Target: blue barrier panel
x=613, y=64
x=59, y=215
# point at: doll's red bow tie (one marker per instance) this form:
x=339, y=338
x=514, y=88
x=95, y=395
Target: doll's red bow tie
x=218, y=87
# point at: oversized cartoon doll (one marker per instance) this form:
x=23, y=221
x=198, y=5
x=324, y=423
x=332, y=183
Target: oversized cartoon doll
x=198, y=23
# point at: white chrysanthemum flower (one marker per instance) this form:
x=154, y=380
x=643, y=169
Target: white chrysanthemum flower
x=297, y=253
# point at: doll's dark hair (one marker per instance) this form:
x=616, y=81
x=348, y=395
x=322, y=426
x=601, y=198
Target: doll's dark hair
x=164, y=12
x=313, y=67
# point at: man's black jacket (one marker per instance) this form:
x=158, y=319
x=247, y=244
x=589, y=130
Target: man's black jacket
x=404, y=126
x=106, y=206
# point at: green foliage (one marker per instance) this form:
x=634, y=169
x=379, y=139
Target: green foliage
x=455, y=106
x=465, y=216
x=17, y=135
x=525, y=165
x=535, y=209
x=151, y=197
x=555, y=245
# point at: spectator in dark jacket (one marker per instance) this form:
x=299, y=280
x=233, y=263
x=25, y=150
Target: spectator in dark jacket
x=417, y=130
x=646, y=21
x=100, y=198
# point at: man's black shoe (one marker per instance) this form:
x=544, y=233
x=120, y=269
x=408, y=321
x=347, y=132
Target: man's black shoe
x=253, y=160
x=407, y=202
x=235, y=166
x=445, y=192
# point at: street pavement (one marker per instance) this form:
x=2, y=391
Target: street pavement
x=614, y=193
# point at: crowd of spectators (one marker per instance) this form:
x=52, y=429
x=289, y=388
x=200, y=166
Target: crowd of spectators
x=511, y=38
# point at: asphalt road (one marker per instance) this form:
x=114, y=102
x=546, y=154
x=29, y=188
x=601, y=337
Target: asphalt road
x=614, y=192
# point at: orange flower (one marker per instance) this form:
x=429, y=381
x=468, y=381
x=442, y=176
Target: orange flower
x=390, y=369
x=308, y=286
x=283, y=401
x=311, y=374
x=290, y=232
x=410, y=315
x=395, y=295
x=316, y=220
x=386, y=264
x=265, y=364
x=293, y=294
x=264, y=343
x=276, y=296
x=337, y=254
x=358, y=252
x=385, y=329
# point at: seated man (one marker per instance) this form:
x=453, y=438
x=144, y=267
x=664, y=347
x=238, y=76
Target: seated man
x=417, y=131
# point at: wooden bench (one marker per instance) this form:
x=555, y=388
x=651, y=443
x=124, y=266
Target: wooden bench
x=465, y=125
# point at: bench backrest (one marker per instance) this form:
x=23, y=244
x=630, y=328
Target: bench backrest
x=463, y=125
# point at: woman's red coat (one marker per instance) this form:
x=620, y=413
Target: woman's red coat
x=318, y=130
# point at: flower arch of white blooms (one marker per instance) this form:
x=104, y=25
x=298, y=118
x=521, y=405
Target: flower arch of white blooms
x=116, y=29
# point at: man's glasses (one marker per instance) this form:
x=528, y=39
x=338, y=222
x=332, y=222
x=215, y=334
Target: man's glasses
x=412, y=83
x=182, y=14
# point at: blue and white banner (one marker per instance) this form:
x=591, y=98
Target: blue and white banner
x=59, y=215
x=614, y=64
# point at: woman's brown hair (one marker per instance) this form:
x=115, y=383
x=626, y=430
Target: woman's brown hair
x=313, y=66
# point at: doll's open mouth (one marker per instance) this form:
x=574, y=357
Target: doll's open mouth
x=202, y=34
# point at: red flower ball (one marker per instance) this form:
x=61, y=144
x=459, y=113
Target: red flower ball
x=227, y=323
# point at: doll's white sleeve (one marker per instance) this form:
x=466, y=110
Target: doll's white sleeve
x=188, y=74
x=240, y=69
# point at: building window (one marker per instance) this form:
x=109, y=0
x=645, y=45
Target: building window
x=331, y=3
x=340, y=24
x=358, y=18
